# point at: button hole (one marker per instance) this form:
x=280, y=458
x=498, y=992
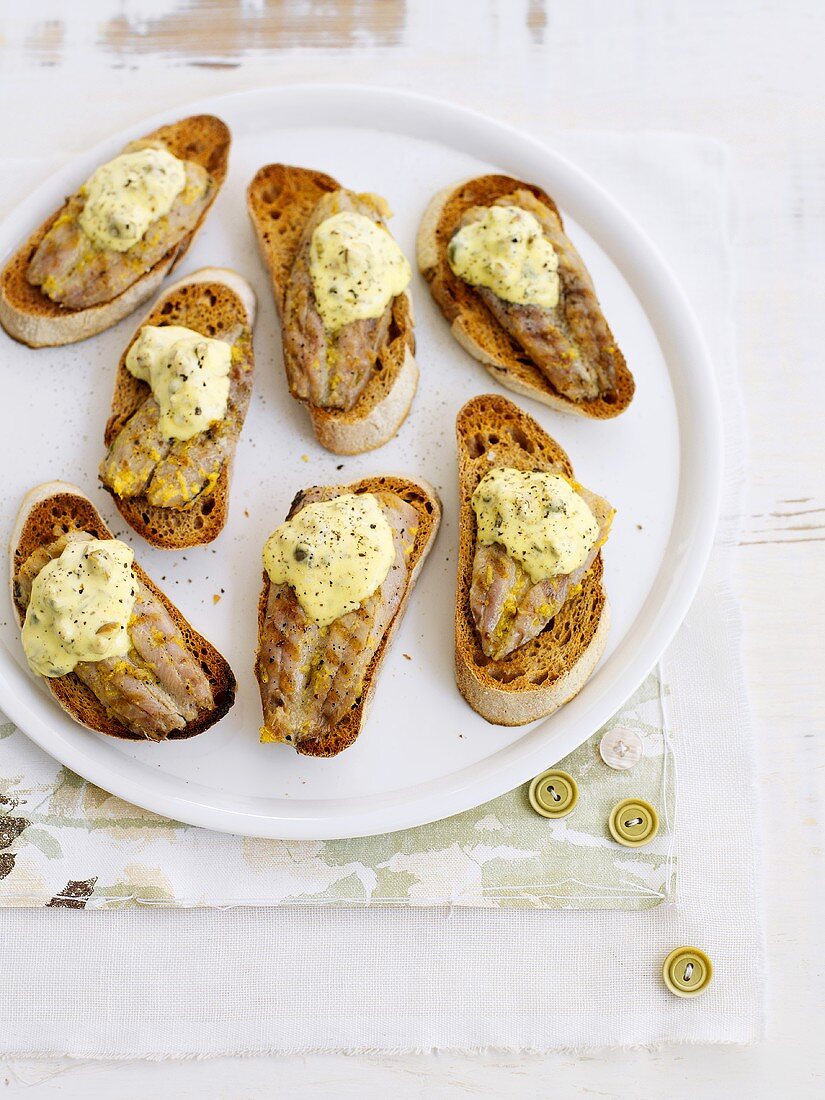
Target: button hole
x=688, y=972
x=552, y=791
x=633, y=822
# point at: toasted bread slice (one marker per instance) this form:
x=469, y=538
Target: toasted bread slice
x=31, y=317
x=542, y=675
x=472, y=324
x=210, y=300
x=280, y=200
x=425, y=500
x=55, y=507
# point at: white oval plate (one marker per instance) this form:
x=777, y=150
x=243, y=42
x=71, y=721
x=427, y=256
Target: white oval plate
x=424, y=754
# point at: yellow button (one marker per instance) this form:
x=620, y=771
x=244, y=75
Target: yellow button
x=633, y=822
x=687, y=972
x=553, y=794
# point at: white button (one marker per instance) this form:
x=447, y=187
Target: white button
x=621, y=749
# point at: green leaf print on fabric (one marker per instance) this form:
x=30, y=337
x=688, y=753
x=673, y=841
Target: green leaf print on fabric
x=48, y=845
x=498, y=855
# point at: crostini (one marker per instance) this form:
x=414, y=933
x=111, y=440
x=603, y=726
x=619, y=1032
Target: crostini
x=337, y=577
x=518, y=296
x=532, y=615
x=340, y=287
x=112, y=243
x=181, y=395
x=115, y=652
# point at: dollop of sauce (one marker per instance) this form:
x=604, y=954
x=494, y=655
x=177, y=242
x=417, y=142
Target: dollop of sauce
x=356, y=269
x=189, y=376
x=334, y=554
x=125, y=195
x=80, y=607
x=539, y=519
x=506, y=251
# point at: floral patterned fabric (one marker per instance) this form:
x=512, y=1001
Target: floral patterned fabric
x=65, y=842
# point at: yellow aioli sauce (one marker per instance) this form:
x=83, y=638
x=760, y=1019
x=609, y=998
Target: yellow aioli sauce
x=507, y=252
x=80, y=607
x=356, y=269
x=539, y=518
x=189, y=376
x=334, y=554
x=127, y=194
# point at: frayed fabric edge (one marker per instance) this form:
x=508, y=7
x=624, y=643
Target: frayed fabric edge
x=380, y=1052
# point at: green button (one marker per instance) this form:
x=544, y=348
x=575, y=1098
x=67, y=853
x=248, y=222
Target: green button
x=687, y=972
x=633, y=822
x=553, y=794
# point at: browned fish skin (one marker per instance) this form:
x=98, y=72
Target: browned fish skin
x=311, y=677
x=172, y=473
x=571, y=344
x=328, y=370
x=161, y=649
x=534, y=329
x=192, y=466
x=287, y=641
x=132, y=696
x=508, y=609
x=70, y=269
x=135, y=452
x=158, y=686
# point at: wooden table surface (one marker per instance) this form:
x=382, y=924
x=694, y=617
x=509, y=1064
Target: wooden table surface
x=749, y=72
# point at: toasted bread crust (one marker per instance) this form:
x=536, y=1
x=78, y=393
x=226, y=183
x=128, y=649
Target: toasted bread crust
x=472, y=324
x=280, y=200
x=209, y=300
x=31, y=317
x=542, y=675
x=59, y=504
x=425, y=500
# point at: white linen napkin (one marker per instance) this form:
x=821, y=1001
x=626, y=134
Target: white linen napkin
x=167, y=983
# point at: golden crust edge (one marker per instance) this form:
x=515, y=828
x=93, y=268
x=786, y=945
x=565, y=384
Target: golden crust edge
x=243, y=291
x=367, y=696
x=45, y=491
x=428, y=259
x=509, y=708
x=38, y=331
x=43, y=332
x=382, y=423
x=384, y=419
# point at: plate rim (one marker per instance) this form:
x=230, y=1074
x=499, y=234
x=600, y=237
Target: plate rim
x=445, y=796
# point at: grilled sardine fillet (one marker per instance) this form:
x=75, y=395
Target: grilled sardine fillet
x=364, y=377
x=315, y=682
x=505, y=677
x=172, y=683
x=159, y=685
x=171, y=473
x=329, y=370
x=175, y=492
x=508, y=609
x=570, y=344
x=564, y=356
x=58, y=287
x=76, y=273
